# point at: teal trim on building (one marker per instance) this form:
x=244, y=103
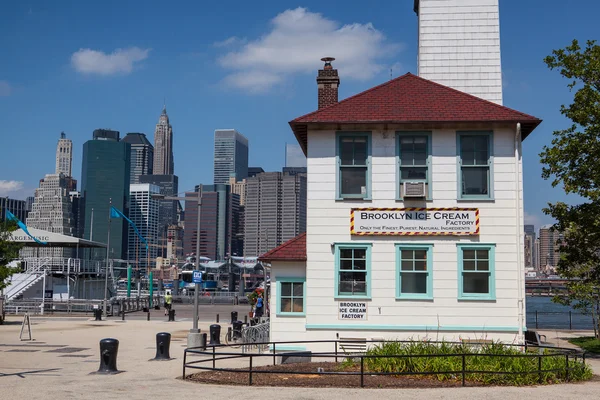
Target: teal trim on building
x=414, y=296
x=339, y=195
x=490, y=165
x=344, y=295
x=404, y=328
x=399, y=180
x=280, y=313
x=491, y=295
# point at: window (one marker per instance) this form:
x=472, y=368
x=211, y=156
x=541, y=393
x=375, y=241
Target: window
x=475, y=165
x=290, y=296
x=476, y=272
x=414, y=158
x=354, y=160
x=353, y=265
x=414, y=279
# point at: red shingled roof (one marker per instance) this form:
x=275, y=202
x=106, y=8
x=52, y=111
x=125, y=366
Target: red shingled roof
x=410, y=99
x=292, y=250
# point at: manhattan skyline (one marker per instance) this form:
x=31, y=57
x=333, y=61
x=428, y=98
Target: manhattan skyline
x=215, y=78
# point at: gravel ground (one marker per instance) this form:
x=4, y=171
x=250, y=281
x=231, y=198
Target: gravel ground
x=41, y=370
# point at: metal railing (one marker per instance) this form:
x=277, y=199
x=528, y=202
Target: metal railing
x=565, y=320
x=63, y=265
x=85, y=306
x=573, y=360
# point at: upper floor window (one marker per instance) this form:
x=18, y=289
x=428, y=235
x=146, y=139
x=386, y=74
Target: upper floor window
x=353, y=265
x=475, y=165
x=414, y=159
x=354, y=161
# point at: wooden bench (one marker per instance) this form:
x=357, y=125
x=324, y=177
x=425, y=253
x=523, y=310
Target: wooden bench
x=353, y=345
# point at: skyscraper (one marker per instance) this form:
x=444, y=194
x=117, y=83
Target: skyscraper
x=274, y=212
x=231, y=155
x=549, y=246
x=52, y=211
x=167, y=209
x=163, y=146
x=64, y=155
x=143, y=212
x=105, y=177
x=17, y=207
x=219, y=222
x=142, y=156
x=530, y=256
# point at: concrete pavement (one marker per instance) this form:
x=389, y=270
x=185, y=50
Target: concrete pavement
x=58, y=363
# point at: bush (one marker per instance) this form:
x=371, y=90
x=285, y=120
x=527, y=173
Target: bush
x=488, y=357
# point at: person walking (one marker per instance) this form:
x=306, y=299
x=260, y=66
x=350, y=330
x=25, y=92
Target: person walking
x=168, y=301
x=259, y=309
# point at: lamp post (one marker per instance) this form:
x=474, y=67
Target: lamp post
x=194, y=334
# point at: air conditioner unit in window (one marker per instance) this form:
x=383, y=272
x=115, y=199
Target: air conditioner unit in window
x=414, y=189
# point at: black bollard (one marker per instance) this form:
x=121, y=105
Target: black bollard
x=246, y=319
x=217, y=318
x=163, y=343
x=234, y=316
x=122, y=315
x=98, y=314
x=203, y=341
x=171, y=315
x=148, y=316
x=108, y=356
x=215, y=334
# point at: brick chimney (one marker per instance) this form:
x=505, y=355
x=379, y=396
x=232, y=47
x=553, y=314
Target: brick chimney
x=328, y=83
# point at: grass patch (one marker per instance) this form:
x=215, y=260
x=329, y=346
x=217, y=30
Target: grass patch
x=504, y=365
x=587, y=343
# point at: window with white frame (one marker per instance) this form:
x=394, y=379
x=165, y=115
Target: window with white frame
x=414, y=275
x=475, y=158
x=353, y=164
x=476, y=271
x=352, y=270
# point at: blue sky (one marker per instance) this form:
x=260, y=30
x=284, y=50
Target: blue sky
x=75, y=66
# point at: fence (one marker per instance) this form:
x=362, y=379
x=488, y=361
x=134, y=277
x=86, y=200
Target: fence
x=573, y=360
x=559, y=320
x=50, y=306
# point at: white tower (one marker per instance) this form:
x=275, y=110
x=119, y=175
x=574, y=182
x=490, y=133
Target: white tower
x=64, y=155
x=459, y=45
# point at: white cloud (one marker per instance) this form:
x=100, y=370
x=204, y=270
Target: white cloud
x=5, y=88
x=7, y=187
x=297, y=41
x=231, y=41
x=120, y=61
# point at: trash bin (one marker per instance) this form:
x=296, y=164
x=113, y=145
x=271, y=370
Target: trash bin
x=98, y=314
x=215, y=334
x=237, y=330
x=234, y=316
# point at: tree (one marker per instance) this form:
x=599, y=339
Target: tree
x=573, y=161
x=8, y=252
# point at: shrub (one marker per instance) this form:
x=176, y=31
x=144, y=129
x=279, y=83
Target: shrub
x=504, y=365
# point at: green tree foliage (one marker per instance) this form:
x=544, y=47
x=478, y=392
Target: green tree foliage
x=8, y=252
x=573, y=161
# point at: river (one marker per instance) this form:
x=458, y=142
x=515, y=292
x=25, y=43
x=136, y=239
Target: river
x=554, y=316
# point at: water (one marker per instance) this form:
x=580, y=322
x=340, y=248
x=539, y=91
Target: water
x=554, y=316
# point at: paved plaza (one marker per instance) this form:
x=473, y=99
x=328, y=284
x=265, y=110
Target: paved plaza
x=65, y=350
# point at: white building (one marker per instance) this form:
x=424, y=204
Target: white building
x=414, y=218
x=64, y=155
x=143, y=212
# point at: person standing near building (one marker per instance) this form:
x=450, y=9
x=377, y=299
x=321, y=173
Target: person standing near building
x=259, y=309
x=168, y=301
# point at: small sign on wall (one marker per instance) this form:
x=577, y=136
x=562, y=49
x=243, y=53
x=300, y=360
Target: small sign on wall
x=352, y=310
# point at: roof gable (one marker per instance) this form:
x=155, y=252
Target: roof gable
x=412, y=99
x=292, y=250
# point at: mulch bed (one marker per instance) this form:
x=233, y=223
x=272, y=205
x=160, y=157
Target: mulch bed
x=315, y=380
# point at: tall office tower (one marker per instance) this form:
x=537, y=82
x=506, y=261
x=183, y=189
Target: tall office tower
x=275, y=211
x=238, y=188
x=175, y=242
x=52, y=211
x=77, y=208
x=294, y=156
x=142, y=156
x=536, y=254
x=231, y=155
x=253, y=171
x=64, y=155
x=459, y=45
x=530, y=256
x=105, y=178
x=218, y=222
x=143, y=212
x=549, y=246
x=17, y=207
x=167, y=209
x=163, y=146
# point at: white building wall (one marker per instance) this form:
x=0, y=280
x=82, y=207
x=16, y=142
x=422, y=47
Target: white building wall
x=445, y=316
x=459, y=45
x=286, y=328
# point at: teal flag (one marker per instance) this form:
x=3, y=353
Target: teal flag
x=115, y=213
x=12, y=217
